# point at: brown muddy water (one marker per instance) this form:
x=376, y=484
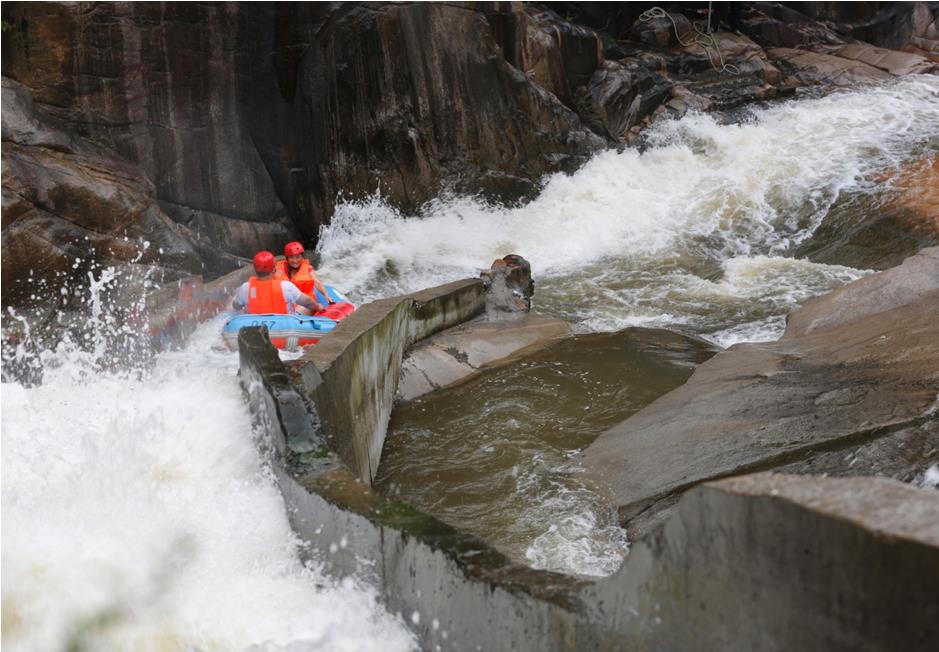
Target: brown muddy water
x=495, y=456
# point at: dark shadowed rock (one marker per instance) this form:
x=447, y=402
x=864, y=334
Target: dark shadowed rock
x=581, y=49
x=68, y=204
x=245, y=122
x=420, y=96
x=774, y=24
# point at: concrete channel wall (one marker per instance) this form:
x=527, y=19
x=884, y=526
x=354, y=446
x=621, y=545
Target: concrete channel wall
x=452, y=589
x=173, y=312
x=357, y=367
x=759, y=562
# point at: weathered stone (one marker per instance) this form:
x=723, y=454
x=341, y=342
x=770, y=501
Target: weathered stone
x=612, y=91
x=906, y=221
x=892, y=61
x=915, y=280
x=776, y=24
x=509, y=287
x=658, y=32
x=898, y=25
x=24, y=125
x=724, y=49
x=581, y=49
x=429, y=107
x=843, y=376
x=61, y=207
x=817, y=68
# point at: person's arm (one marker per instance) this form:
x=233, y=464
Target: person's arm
x=318, y=284
x=307, y=301
x=241, y=298
x=293, y=294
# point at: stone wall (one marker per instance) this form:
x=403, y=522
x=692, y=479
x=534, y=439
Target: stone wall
x=782, y=562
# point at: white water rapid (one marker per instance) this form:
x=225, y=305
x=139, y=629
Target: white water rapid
x=697, y=231
x=139, y=515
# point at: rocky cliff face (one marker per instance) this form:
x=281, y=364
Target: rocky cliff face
x=210, y=130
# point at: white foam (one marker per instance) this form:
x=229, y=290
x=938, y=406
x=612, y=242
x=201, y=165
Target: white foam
x=139, y=516
x=703, y=194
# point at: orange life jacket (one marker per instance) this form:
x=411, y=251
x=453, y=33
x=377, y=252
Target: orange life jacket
x=304, y=278
x=266, y=296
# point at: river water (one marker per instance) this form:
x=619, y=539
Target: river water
x=713, y=230
x=138, y=513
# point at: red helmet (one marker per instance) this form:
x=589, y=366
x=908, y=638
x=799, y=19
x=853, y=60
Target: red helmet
x=293, y=249
x=263, y=262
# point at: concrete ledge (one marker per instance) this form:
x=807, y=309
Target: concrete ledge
x=774, y=562
x=360, y=362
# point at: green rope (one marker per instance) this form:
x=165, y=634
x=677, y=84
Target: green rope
x=703, y=38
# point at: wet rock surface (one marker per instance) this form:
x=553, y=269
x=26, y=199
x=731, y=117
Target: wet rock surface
x=234, y=127
x=854, y=367
x=906, y=220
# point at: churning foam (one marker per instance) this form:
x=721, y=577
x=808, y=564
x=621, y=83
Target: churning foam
x=700, y=195
x=139, y=515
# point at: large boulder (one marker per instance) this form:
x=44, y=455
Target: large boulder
x=622, y=95
x=906, y=220
x=855, y=367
